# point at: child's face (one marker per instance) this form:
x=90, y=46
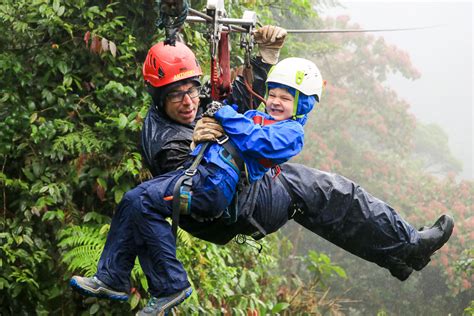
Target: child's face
x=279, y=104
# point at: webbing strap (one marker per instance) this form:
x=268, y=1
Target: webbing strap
x=260, y=120
x=233, y=152
x=220, y=70
x=179, y=193
x=240, y=164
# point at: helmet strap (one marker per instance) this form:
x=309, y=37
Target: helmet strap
x=295, y=103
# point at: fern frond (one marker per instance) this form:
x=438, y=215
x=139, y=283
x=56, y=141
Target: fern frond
x=83, y=259
x=184, y=237
x=82, y=141
x=83, y=245
x=138, y=276
x=81, y=235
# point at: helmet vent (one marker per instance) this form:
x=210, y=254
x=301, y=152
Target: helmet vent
x=161, y=74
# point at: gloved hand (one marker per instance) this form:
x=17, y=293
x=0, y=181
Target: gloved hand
x=270, y=40
x=207, y=129
x=212, y=108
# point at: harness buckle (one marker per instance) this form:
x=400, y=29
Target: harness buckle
x=222, y=140
x=190, y=172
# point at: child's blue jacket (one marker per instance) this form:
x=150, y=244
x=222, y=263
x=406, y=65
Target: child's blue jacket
x=259, y=146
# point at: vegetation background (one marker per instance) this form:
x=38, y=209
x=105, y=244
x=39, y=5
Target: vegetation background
x=72, y=103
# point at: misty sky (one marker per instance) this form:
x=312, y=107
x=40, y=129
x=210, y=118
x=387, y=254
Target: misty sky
x=443, y=55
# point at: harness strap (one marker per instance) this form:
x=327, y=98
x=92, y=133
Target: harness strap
x=182, y=191
x=260, y=120
x=232, y=157
x=232, y=151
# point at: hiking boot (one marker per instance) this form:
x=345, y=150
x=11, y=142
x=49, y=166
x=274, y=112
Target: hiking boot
x=431, y=239
x=163, y=305
x=96, y=288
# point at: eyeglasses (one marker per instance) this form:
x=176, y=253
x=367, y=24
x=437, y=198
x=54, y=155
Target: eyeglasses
x=178, y=96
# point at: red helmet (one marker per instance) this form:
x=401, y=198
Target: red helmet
x=166, y=64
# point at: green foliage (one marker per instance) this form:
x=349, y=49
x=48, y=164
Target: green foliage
x=320, y=265
x=83, y=245
x=468, y=311
x=21, y=260
x=308, y=291
x=70, y=116
x=466, y=263
x=431, y=145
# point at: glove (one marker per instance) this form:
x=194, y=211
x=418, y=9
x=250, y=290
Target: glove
x=270, y=40
x=207, y=129
x=212, y=108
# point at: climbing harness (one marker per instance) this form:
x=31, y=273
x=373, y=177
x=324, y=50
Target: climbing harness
x=182, y=191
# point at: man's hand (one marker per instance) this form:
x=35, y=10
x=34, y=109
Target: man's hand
x=207, y=129
x=270, y=40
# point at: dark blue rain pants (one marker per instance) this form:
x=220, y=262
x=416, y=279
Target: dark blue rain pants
x=340, y=211
x=139, y=229
x=343, y=213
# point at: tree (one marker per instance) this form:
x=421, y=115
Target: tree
x=363, y=131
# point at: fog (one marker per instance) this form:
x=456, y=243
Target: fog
x=442, y=54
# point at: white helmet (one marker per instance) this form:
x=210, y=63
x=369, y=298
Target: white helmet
x=298, y=73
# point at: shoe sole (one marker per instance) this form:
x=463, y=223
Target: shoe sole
x=87, y=291
x=178, y=300
x=423, y=262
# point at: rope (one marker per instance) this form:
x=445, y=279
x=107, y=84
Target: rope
x=242, y=239
x=258, y=96
x=171, y=18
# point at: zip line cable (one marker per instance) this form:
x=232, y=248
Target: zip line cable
x=198, y=16
x=300, y=31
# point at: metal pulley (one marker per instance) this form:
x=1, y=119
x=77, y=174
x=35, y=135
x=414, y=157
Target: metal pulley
x=219, y=29
x=172, y=15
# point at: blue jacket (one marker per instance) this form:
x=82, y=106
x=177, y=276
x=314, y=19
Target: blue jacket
x=275, y=143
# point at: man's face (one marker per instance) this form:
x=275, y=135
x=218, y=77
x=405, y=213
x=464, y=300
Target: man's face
x=280, y=104
x=181, y=106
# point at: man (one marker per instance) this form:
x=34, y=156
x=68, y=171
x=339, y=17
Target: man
x=329, y=205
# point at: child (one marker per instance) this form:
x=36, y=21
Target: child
x=261, y=140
